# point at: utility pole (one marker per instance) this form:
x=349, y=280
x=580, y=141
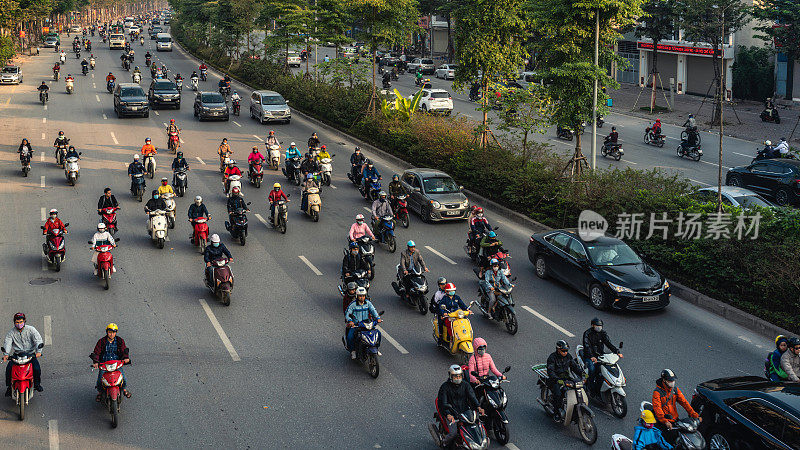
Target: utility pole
x=594, y=95
x=721, y=92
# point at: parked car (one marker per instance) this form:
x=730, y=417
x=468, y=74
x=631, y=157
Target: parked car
x=606, y=269
x=11, y=75
x=436, y=101
x=164, y=93
x=446, y=71
x=748, y=412
x=267, y=106
x=50, y=42
x=775, y=178
x=130, y=100
x=211, y=105
x=733, y=196
x=434, y=195
x=293, y=59
x=425, y=64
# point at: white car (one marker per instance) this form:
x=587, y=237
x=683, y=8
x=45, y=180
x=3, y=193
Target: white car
x=446, y=71
x=11, y=75
x=116, y=41
x=134, y=29
x=293, y=59
x=436, y=101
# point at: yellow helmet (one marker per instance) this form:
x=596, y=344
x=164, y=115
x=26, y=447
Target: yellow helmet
x=112, y=326
x=648, y=417
x=276, y=186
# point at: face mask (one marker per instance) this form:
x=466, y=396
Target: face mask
x=155, y=197
x=354, y=252
x=359, y=222
x=597, y=328
x=456, y=381
x=383, y=200
x=215, y=244
x=451, y=293
x=648, y=425
x=20, y=325
x=481, y=351
x=671, y=384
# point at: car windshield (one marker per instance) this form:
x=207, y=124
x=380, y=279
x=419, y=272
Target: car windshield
x=10, y=70
x=212, y=98
x=164, y=39
x=748, y=201
x=164, y=86
x=272, y=100
x=116, y=36
x=427, y=61
x=131, y=92
x=612, y=254
x=440, y=95
x=440, y=185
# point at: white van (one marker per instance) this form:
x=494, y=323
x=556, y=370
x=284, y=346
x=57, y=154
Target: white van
x=163, y=42
x=116, y=41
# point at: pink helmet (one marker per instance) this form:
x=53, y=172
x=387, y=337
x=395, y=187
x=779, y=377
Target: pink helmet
x=479, y=342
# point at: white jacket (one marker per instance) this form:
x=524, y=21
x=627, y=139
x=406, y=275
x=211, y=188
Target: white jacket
x=100, y=237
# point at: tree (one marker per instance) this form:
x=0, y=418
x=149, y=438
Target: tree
x=291, y=19
x=333, y=20
x=782, y=27
x=488, y=39
x=660, y=21
x=525, y=113
x=340, y=70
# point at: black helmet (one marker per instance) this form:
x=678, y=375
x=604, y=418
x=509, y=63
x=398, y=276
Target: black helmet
x=562, y=345
x=180, y=154
x=155, y=192
x=794, y=342
x=613, y=128
x=668, y=375
x=358, y=149
x=597, y=321
x=395, y=177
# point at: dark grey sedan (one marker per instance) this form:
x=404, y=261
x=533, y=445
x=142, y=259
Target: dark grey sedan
x=434, y=195
x=211, y=105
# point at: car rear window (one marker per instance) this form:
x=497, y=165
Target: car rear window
x=440, y=185
x=748, y=201
x=612, y=254
x=427, y=61
x=212, y=98
x=440, y=95
x=272, y=100
x=131, y=92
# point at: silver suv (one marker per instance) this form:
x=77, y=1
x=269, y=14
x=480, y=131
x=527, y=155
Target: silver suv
x=269, y=106
x=426, y=65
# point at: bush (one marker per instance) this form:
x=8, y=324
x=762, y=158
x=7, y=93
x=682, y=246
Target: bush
x=6, y=49
x=753, y=73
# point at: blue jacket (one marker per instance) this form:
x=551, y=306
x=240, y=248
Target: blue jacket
x=643, y=437
x=370, y=173
x=449, y=304
x=490, y=279
x=360, y=312
x=293, y=152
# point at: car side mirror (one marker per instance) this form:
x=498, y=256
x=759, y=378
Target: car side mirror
x=88, y=242
x=65, y=225
x=40, y=346
x=42, y=227
x=3, y=349
x=507, y=369
x=381, y=313
x=287, y=102
x=80, y=153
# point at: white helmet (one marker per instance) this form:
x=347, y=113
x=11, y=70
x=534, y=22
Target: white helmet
x=214, y=238
x=359, y=217
x=228, y=161
x=136, y=157
x=292, y=144
x=101, y=226
x=198, y=200
x=455, y=370
x=361, y=290
x=767, y=142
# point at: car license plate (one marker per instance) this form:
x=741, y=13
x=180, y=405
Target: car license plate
x=134, y=108
x=651, y=298
x=452, y=213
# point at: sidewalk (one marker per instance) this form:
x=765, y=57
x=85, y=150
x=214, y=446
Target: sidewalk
x=751, y=129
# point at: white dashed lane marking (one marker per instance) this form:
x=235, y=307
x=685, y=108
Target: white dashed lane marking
x=548, y=321
x=310, y=266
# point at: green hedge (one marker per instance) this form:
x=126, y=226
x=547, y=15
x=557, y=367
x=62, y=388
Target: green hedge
x=759, y=276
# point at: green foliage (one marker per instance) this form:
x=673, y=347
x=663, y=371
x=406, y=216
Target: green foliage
x=339, y=71
x=753, y=73
x=401, y=108
x=703, y=20
x=6, y=49
x=786, y=36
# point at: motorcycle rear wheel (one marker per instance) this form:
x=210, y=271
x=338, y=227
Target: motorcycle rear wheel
x=619, y=405
x=202, y=246
x=374, y=366
x=114, y=413
x=391, y=243
x=282, y=225
x=242, y=239
x=421, y=306
x=404, y=220
x=160, y=243
x=106, y=276
x=226, y=298
x=315, y=216
x=57, y=263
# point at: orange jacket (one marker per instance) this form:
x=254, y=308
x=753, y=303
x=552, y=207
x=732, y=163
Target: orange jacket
x=148, y=149
x=664, y=400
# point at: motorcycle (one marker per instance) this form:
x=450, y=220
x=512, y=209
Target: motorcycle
x=222, y=286
x=694, y=153
x=274, y=152
x=294, y=175
x=22, y=378
x=504, y=310
x=141, y=41
x=204, y=74
x=621, y=442
x=199, y=233
x=91, y=63
x=137, y=77
x=564, y=133
x=173, y=141
x=63, y=58
x=770, y=116
x=234, y=181
x=458, y=333
x=149, y=165
x=109, y=218
x=600, y=121
x=575, y=405
x=137, y=185
x=611, y=381
x=54, y=248
x=471, y=431
x=225, y=91
x=126, y=64
x=25, y=162
x=325, y=169
x=652, y=139
x=238, y=228
x=169, y=199
x=281, y=216
x=111, y=381
x=367, y=340
x=400, y=209
x=194, y=83
x=355, y=175
x=256, y=174
x=413, y=290
x=105, y=263
x=371, y=190
x=43, y=97
x=77, y=54
x=110, y=86
x=72, y=170
x=689, y=437
x=158, y=227
x=502, y=258
x=613, y=150
x=85, y=70
x=359, y=277
x=387, y=84
x=61, y=151
x=493, y=400
x=472, y=247
x=384, y=231
x=70, y=86
x=313, y=203
x=148, y=61
x=236, y=106
x=55, y=75
x=179, y=84
x=367, y=251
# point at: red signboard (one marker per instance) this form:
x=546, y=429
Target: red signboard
x=702, y=51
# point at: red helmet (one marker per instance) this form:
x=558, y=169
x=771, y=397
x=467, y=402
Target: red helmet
x=18, y=316
x=235, y=190
x=271, y=132
x=658, y=120
x=478, y=210
x=323, y=147
x=449, y=287
x=171, y=120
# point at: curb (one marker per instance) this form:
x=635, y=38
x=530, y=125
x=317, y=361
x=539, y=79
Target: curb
x=696, y=298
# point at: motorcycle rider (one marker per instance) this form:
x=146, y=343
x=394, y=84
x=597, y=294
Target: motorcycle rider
x=450, y=302
x=235, y=97
x=595, y=340
x=357, y=161
x=254, y=157
x=275, y=195
x=612, y=137
x=418, y=76
x=323, y=153
x=25, y=150
x=396, y=189
x=291, y=152
x=358, y=311
x=349, y=295
x=769, y=106
x=482, y=362
x=71, y=153
x=474, y=89
x=454, y=398
x=790, y=360
x=235, y=201
x=782, y=149
x=43, y=88
x=691, y=131
x=60, y=140
x=172, y=128
x=767, y=152
x=656, y=128
x=309, y=165
x=387, y=79
x=56, y=70
x=272, y=140
x=353, y=262
x=230, y=169
x=110, y=78
x=53, y=222
x=214, y=251
x=101, y=237
x=148, y=57
x=438, y=295
x=165, y=187
x=194, y=77
x=478, y=224
x=489, y=246
x=774, y=371
x=410, y=259
x=69, y=78
x=359, y=229
x=23, y=339
x=179, y=163
x=107, y=200
x=137, y=71
x=560, y=367
x=646, y=436
x=154, y=204
x=198, y=209
x=665, y=395
x=178, y=78
x=224, y=151
x=380, y=208
x=369, y=171
x=109, y=348
x=309, y=183
x=84, y=64
x=135, y=168
x=494, y=279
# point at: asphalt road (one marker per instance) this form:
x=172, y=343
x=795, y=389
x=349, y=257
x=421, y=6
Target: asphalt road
x=270, y=371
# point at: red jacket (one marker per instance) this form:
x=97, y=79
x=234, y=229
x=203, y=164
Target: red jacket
x=49, y=225
x=233, y=170
x=664, y=400
x=99, y=348
x=274, y=195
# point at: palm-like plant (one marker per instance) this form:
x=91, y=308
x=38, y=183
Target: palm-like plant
x=401, y=107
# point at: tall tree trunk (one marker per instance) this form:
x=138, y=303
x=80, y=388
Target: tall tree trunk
x=449, y=42
x=654, y=72
x=715, y=118
x=484, y=139
x=789, y=77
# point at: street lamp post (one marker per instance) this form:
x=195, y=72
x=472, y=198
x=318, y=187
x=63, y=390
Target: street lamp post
x=594, y=93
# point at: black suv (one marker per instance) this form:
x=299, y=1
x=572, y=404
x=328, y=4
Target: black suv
x=130, y=100
x=164, y=93
x=778, y=178
x=749, y=412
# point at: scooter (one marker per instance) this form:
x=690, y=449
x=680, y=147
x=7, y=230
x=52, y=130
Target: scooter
x=110, y=86
x=400, y=209
x=564, y=133
x=91, y=63
x=63, y=58
x=371, y=190
x=158, y=227
x=294, y=174
x=234, y=181
x=72, y=170
x=611, y=380
x=169, y=199
x=105, y=263
x=471, y=431
x=179, y=183
x=194, y=83
x=689, y=437
x=694, y=153
x=770, y=116
x=25, y=162
x=458, y=333
x=367, y=251
x=137, y=77
x=384, y=231
x=54, y=248
x=22, y=378
x=70, y=86
x=367, y=340
x=313, y=203
x=137, y=185
x=472, y=246
x=85, y=70
x=111, y=396
x=355, y=175
x=281, y=216
x=652, y=139
x=148, y=61
x=493, y=400
x=223, y=280
x=61, y=151
x=236, y=106
x=359, y=277
x=575, y=406
x=621, y=442
x=417, y=288
x=199, y=233
x=238, y=228
x=204, y=74
x=173, y=141
x=179, y=84
x=387, y=84
x=149, y=164
x=274, y=152
x=256, y=174
x=109, y=218
x=613, y=150
x=504, y=310
x=43, y=97
x=325, y=169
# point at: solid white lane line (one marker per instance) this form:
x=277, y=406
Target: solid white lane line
x=220, y=331
x=97, y=97
x=92, y=77
x=156, y=112
x=41, y=181
x=114, y=138
x=48, y=331
x=391, y=340
x=236, y=123
x=44, y=214
x=261, y=219
x=333, y=187
x=45, y=107
x=435, y=252
x=548, y=321
x=105, y=117
x=201, y=161
x=52, y=431
x=511, y=446
x=255, y=136
x=42, y=135
x=44, y=119
x=699, y=182
x=310, y=266
x=742, y=154
x=94, y=86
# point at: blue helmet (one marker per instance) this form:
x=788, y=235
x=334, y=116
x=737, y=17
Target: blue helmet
x=492, y=234
x=411, y=244
x=353, y=245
